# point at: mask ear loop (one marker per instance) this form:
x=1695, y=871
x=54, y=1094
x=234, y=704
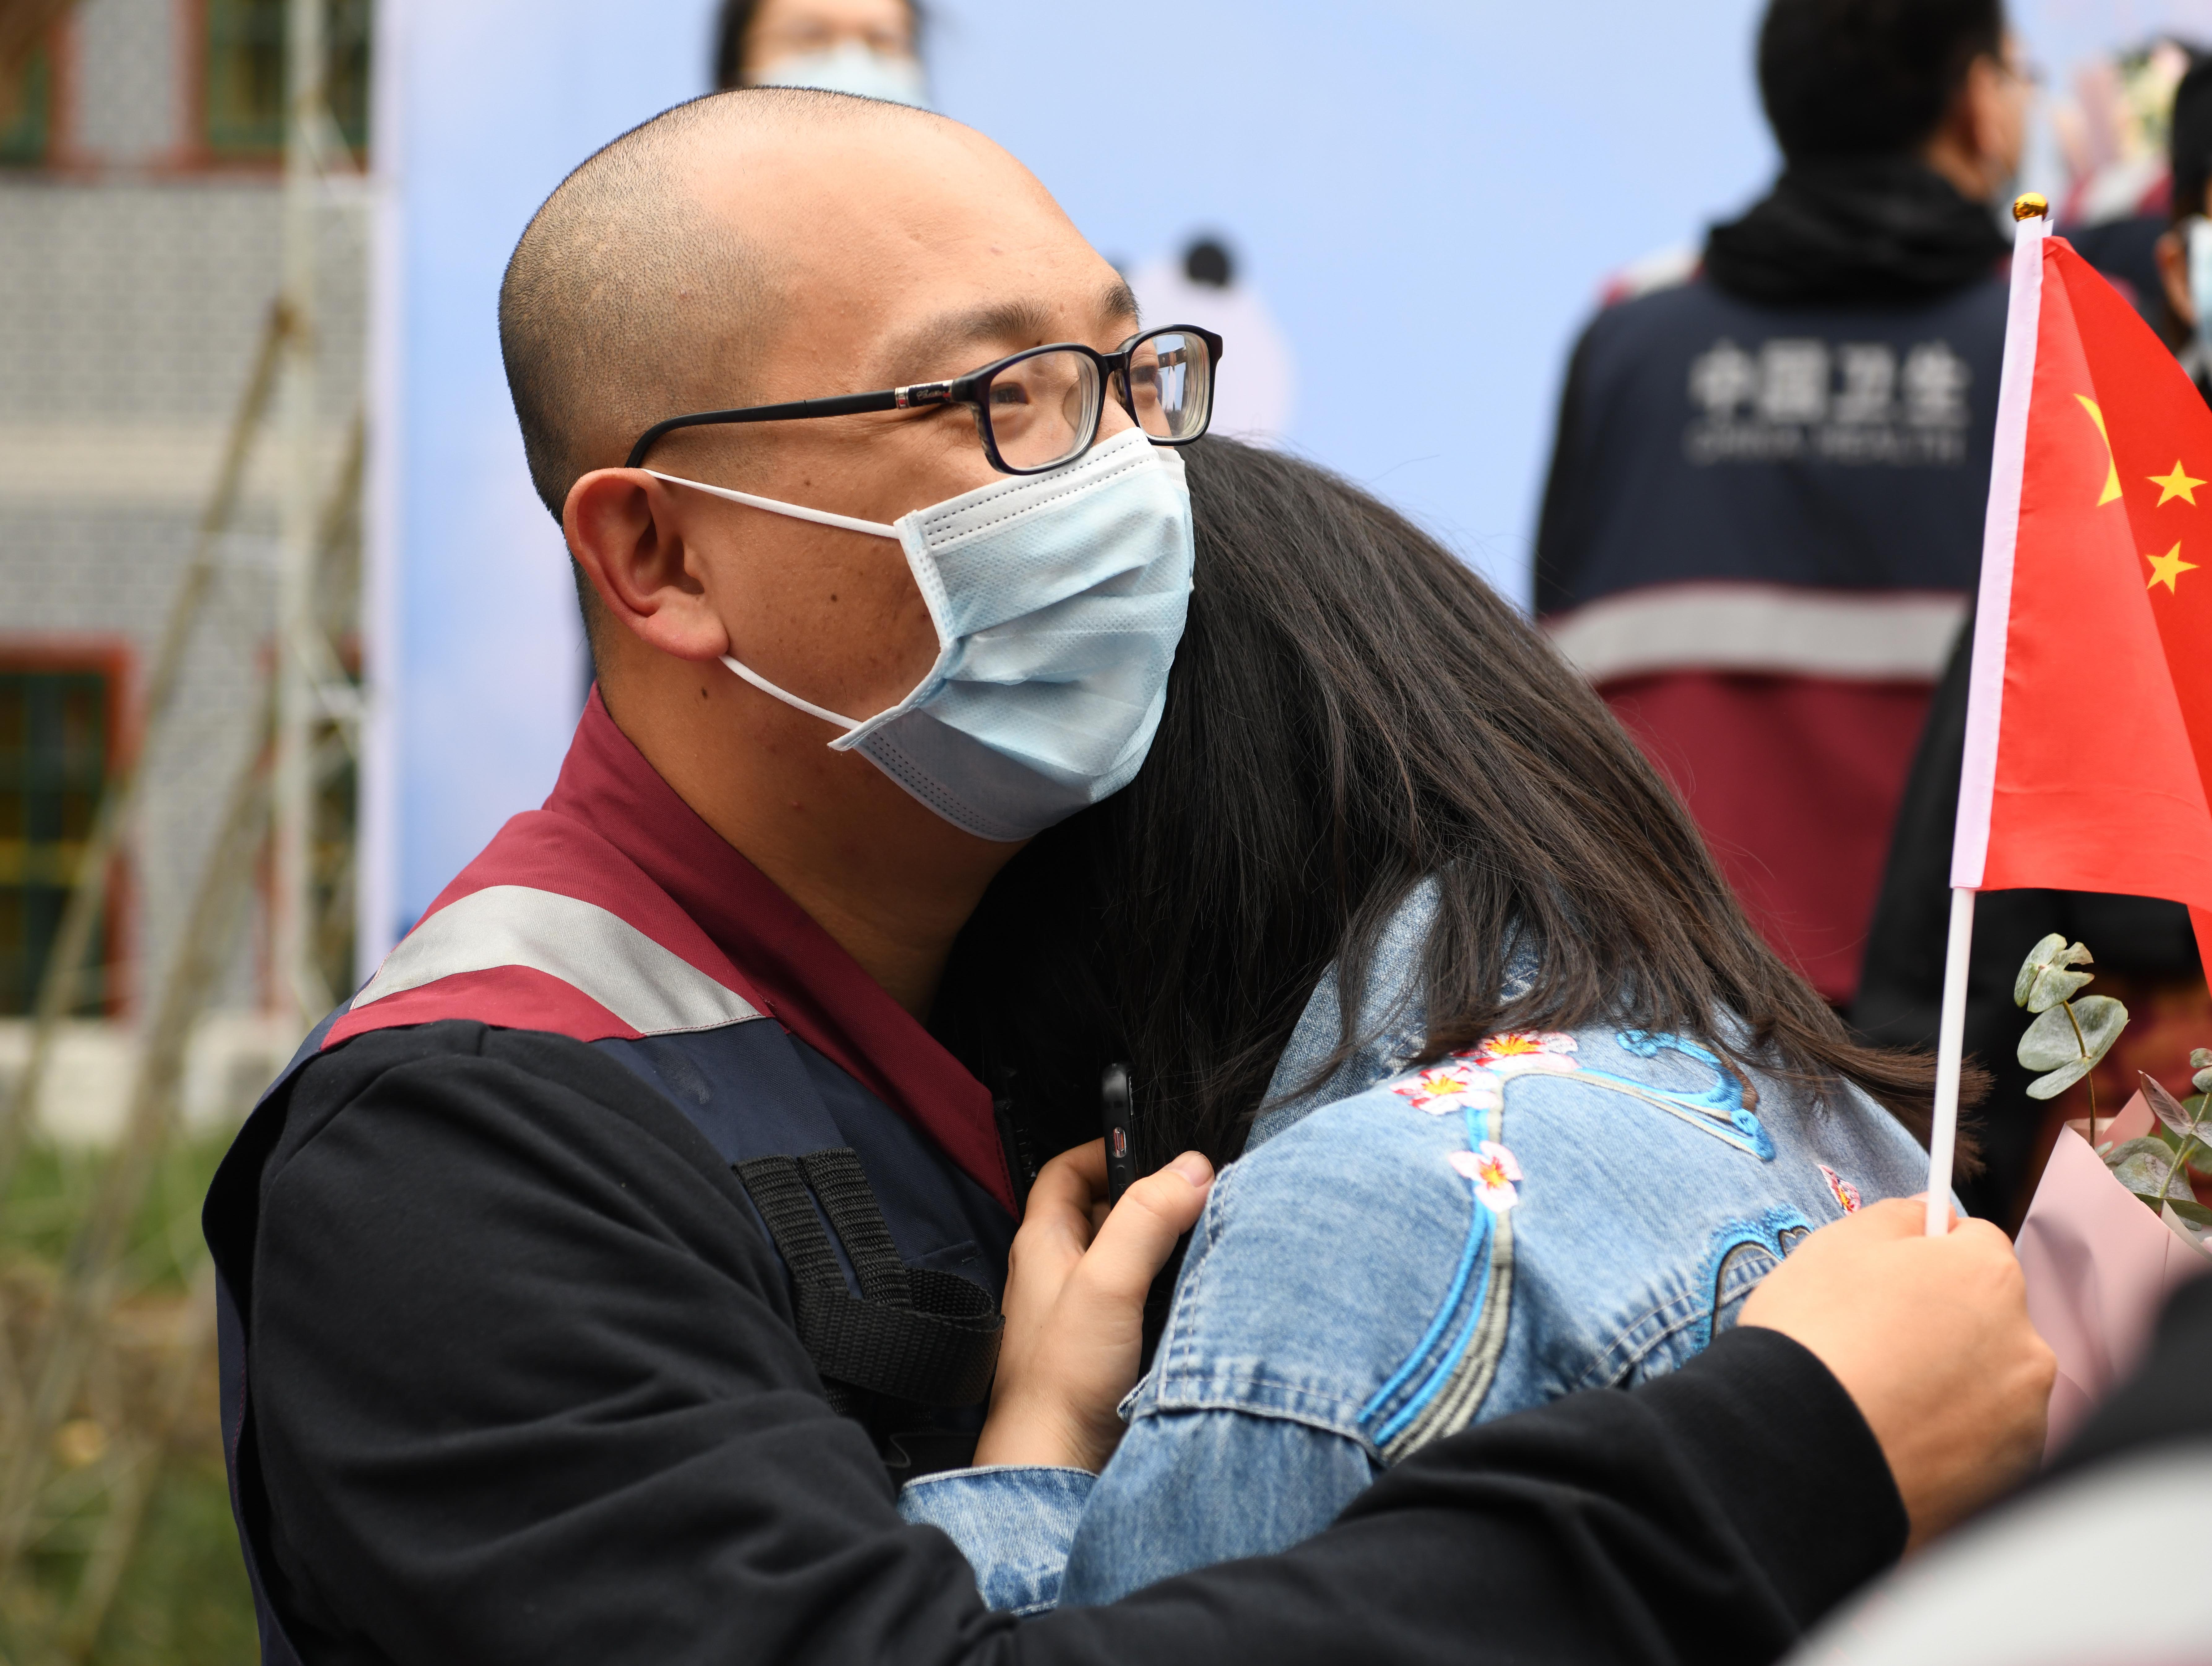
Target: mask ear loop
x=848, y=724
x=797, y=512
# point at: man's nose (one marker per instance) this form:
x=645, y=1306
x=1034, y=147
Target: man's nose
x=1115, y=418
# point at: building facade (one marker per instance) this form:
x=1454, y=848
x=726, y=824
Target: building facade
x=140, y=258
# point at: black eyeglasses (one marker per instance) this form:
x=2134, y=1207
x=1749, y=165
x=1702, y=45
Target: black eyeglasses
x=1038, y=409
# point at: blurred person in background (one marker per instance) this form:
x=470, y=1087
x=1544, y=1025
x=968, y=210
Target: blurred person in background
x=871, y=47
x=2146, y=952
x=2113, y=133
x=2183, y=253
x=1766, y=502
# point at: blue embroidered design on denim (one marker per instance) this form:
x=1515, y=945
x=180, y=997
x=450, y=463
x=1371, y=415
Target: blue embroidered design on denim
x=1774, y=1235
x=1724, y=1109
x=1440, y=1385
x=1453, y=1377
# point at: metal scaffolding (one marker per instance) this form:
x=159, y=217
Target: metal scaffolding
x=312, y=686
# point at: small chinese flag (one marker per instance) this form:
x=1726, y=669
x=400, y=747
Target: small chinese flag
x=2089, y=731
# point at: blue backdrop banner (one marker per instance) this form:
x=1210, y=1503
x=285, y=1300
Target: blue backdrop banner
x=1412, y=201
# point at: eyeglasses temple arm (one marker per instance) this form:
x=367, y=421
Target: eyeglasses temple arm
x=844, y=404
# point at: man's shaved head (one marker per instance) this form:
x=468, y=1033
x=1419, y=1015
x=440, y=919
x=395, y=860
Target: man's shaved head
x=630, y=299
x=757, y=247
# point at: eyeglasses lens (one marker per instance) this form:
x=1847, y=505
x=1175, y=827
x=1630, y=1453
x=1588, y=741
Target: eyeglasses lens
x=1171, y=382
x=1043, y=409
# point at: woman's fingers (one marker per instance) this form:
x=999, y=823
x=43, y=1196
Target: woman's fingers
x=1056, y=1231
x=1066, y=1190
x=1075, y=1314
x=1141, y=1234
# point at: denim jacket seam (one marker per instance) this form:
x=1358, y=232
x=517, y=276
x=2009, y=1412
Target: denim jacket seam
x=1672, y=1321
x=1671, y=1315
x=1231, y=1395
x=1217, y=1390
x=1178, y=1350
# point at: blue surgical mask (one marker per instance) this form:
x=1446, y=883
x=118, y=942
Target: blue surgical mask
x=1058, y=600
x=852, y=67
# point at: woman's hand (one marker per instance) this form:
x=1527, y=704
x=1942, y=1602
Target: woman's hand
x=1076, y=1280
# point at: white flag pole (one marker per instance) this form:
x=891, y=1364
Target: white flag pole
x=1992, y=620
x=1950, y=1041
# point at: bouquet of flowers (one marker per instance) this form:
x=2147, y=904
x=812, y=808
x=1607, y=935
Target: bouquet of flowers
x=2116, y=1223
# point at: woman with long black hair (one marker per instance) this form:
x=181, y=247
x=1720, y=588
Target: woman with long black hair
x=1395, y=902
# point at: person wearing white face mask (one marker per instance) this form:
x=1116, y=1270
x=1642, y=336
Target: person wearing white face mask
x=2184, y=252
x=595, y=1275
x=869, y=47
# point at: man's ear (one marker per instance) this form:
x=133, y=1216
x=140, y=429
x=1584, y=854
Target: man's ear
x=1975, y=146
x=626, y=531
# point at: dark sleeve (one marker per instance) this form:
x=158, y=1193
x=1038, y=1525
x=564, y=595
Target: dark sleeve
x=1563, y=526
x=527, y=1390
x=1901, y=979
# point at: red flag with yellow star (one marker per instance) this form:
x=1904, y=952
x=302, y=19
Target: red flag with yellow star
x=2089, y=731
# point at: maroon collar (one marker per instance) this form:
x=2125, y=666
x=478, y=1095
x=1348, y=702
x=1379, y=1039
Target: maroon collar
x=808, y=982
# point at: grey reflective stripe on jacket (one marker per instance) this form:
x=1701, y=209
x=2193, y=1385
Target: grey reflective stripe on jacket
x=650, y=989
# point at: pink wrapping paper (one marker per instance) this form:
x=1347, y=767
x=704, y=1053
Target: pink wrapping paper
x=2098, y=1267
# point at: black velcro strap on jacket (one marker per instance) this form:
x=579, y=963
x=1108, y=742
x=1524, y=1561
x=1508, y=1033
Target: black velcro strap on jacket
x=847, y=1198
x=916, y=1334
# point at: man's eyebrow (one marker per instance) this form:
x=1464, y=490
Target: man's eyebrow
x=1118, y=301
x=925, y=349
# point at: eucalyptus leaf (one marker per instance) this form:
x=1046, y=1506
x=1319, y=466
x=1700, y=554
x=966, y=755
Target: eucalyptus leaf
x=2199, y=1107
x=2051, y=1041
x=2202, y=1081
x=2200, y=1058
x=2145, y=1166
x=2050, y=1087
x=2050, y=986
x=2164, y=1106
x=2048, y=952
x=2194, y=1213
x=2101, y=1018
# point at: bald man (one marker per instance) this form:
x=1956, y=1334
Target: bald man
x=596, y=1275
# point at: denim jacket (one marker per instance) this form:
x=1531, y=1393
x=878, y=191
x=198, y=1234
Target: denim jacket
x=1402, y=1252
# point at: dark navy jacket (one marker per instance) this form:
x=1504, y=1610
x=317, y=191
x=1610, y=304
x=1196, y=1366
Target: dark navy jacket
x=615, y=918
x=1759, y=531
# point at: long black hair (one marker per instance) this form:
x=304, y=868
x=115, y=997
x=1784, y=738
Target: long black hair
x=1350, y=711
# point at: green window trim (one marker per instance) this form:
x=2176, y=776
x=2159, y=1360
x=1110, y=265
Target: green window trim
x=54, y=760
x=245, y=89
x=26, y=136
